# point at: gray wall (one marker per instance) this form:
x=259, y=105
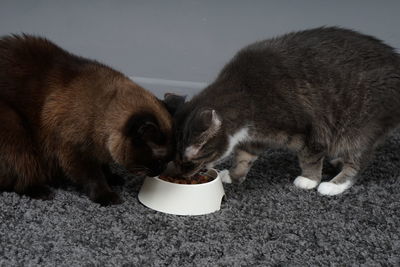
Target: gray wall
x=181, y=45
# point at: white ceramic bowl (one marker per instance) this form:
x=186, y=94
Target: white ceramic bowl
x=182, y=199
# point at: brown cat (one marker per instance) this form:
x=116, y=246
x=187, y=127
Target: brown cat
x=66, y=116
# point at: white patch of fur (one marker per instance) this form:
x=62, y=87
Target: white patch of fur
x=331, y=189
x=159, y=152
x=225, y=177
x=191, y=152
x=305, y=183
x=239, y=136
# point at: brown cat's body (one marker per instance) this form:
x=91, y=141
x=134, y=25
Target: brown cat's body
x=63, y=115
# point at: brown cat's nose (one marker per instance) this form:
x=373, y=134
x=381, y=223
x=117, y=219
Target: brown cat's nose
x=156, y=168
x=156, y=171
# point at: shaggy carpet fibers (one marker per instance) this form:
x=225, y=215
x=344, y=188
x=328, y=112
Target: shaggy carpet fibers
x=265, y=221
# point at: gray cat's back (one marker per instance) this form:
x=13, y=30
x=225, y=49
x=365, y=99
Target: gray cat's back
x=324, y=68
x=324, y=92
x=330, y=45
x=334, y=82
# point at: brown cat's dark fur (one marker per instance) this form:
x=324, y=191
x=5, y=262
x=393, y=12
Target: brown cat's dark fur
x=65, y=116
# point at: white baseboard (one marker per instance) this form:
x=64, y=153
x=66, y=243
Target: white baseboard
x=156, y=81
x=161, y=86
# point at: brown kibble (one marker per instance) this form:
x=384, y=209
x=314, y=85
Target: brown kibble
x=198, y=178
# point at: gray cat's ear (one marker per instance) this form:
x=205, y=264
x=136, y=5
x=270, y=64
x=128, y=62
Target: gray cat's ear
x=210, y=121
x=173, y=102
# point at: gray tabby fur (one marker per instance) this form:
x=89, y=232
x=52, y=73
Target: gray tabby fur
x=324, y=92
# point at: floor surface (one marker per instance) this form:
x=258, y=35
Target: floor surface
x=265, y=221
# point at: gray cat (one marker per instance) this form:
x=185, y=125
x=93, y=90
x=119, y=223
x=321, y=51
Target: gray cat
x=325, y=92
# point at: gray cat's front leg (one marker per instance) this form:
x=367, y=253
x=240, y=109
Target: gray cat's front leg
x=242, y=163
x=311, y=167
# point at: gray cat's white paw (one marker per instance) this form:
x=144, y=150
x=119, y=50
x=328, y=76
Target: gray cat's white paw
x=225, y=177
x=331, y=189
x=305, y=183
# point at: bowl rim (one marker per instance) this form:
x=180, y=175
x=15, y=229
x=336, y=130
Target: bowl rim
x=190, y=185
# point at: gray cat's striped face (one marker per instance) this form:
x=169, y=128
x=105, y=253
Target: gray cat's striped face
x=199, y=141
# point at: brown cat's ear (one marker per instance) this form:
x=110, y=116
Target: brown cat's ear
x=142, y=127
x=173, y=102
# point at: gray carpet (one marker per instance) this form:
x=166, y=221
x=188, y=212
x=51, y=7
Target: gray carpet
x=266, y=221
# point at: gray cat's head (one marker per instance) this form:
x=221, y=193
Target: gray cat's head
x=200, y=138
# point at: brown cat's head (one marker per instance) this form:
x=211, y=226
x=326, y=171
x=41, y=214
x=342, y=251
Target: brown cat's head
x=141, y=131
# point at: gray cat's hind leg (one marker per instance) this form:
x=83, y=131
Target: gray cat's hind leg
x=344, y=180
x=337, y=163
x=311, y=166
x=351, y=165
x=242, y=163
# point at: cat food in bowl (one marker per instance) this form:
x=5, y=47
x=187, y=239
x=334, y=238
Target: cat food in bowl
x=199, y=178
x=197, y=195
